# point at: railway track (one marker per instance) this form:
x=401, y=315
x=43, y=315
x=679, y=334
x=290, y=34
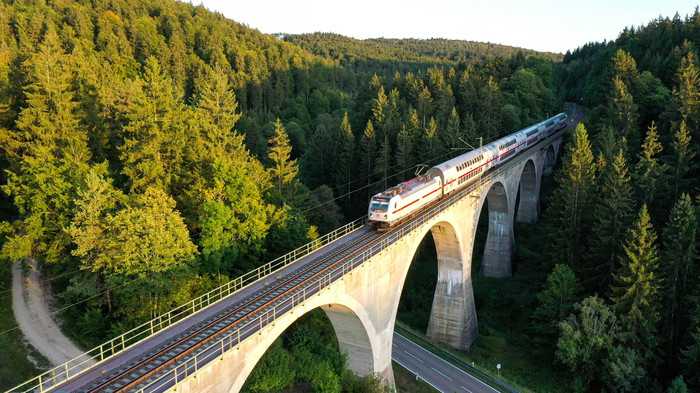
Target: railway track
x=160, y=359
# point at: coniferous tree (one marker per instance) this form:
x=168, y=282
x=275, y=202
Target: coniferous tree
x=425, y=106
x=342, y=171
x=680, y=161
x=556, y=303
x=679, y=272
x=686, y=97
x=369, y=147
x=284, y=169
x=625, y=68
x=154, y=140
x=450, y=138
x=379, y=111
x=622, y=114
x=490, y=110
x=636, y=288
x=568, y=223
x=612, y=214
x=383, y=163
x=48, y=156
x=430, y=143
x=649, y=168
x=404, y=154
x=318, y=161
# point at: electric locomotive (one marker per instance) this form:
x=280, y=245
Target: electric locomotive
x=400, y=202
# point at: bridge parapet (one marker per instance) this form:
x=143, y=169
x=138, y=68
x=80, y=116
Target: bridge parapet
x=253, y=327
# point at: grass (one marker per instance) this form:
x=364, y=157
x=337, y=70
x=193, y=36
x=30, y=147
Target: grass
x=407, y=382
x=503, y=307
x=18, y=360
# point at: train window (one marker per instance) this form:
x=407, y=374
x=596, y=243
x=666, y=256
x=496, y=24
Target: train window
x=379, y=206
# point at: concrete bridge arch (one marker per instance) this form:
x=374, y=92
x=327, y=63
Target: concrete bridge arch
x=362, y=306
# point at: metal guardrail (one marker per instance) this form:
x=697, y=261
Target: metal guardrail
x=105, y=351
x=459, y=363
x=87, y=360
x=253, y=325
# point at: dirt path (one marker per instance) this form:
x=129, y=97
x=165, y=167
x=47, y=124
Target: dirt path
x=34, y=317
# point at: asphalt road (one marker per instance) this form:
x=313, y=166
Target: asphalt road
x=438, y=373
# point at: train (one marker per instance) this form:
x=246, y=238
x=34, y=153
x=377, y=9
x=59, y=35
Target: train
x=398, y=203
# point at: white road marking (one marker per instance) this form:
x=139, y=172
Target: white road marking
x=412, y=356
x=466, y=389
x=418, y=376
x=446, y=362
x=442, y=374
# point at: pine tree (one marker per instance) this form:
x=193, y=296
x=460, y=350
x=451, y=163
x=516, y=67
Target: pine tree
x=379, y=111
x=679, y=272
x=686, y=97
x=425, y=106
x=649, y=168
x=636, y=288
x=154, y=141
x=342, y=171
x=622, y=114
x=404, y=154
x=49, y=157
x=369, y=146
x=284, y=169
x=568, y=222
x=681, y=161
x=384, y=161
x=625, y=69
x=450, y=138
x=613, y=214
x=490, y=110
x=318, y=161
x=430, y=143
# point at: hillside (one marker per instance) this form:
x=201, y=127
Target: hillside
x=402, y=52
x=121, y=116
x=624, y=218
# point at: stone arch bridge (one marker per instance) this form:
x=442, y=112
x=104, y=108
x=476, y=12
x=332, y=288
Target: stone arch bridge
x=360, y=295
x=362, y=305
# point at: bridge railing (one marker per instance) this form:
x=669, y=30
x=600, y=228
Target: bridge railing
x=253, y=325
x=87, y=360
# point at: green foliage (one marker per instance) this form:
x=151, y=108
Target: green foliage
x=679, y=272
x=587, y=336
x=154, y=135
x=568, y=223
x=284, y=169
x=649, y=168
x=637, y=285
x=680, y=162
x=274, y=372
x=678, y=386
x=613, y=214
x=135, y=142
x=343, y=169
x=556, y=302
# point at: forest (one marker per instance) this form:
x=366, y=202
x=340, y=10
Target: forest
x=152, y=150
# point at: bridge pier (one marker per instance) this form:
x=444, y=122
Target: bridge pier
x=453, y=316
x=498, y=251
x=528, y=210
x=362, y=305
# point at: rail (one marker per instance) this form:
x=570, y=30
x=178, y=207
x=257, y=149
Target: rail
x=87, y=360
x=84, y=362
x=233, y=340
